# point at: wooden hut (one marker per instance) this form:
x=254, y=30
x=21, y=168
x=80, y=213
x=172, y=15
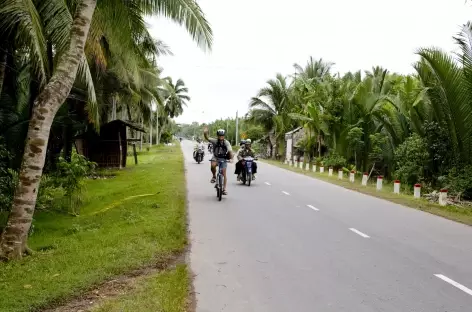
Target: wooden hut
x=109, y=148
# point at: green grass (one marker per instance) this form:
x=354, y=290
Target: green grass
x=163, y=292
x=459, y=214
x=117, y=231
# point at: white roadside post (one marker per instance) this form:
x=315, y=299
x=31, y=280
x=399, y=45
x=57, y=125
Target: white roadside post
x=443, y=197
x=296, y=164
x=314, y=167
x=301, y=165
x=417, y=190
x=330, y=171
x=321, y=169
x=396, y=187
x=379, y=183
x=307, y=166
x=340, y=174
x=352, y=176
x=365, y=176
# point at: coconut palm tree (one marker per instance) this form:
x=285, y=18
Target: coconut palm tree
x=54, y=19
x=447, y=80
x=270, y=108
x=175, y=96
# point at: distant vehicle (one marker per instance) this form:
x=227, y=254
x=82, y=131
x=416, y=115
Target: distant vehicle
x=198, y=155
x=246, y=173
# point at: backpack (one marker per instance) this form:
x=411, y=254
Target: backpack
x=220, y=149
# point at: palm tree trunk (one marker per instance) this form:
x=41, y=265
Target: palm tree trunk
x=319, y=145
x=14, y=237
x=273, y=143
x=3, y=65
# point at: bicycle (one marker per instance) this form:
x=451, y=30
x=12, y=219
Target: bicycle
x=219, y=184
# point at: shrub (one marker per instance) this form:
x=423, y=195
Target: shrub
x=166, y=137
x=411, y=159
x=335, y=160
x=459, y=182
x=70, y=177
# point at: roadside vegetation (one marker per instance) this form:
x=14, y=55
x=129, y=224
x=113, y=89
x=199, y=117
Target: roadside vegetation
x=131, y=219
x=415, y=128
x=66, y=69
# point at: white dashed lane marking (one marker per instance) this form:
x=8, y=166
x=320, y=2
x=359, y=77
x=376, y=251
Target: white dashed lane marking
x=359, y=233
x=312, y=207
x=454, y=283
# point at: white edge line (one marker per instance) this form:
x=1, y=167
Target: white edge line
x=359, y=233
x=312, y=207
x=267, y=183
x=454, y=283
x=286, y=193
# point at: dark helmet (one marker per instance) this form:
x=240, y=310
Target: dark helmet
x=220, y=132
x=243, y=142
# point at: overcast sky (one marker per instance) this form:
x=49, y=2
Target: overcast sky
x=255, y=39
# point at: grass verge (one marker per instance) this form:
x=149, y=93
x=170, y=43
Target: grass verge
x=165, y=291
x=118, y=230
x=459, y=214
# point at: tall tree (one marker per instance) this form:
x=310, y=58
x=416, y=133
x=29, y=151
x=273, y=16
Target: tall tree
x=13, y=242
x=270, y=108
x=175, y=96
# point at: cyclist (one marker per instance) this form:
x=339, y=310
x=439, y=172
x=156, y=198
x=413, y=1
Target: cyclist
x=222, y=150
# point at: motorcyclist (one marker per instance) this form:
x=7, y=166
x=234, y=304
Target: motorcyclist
x=244, y=152
x=198, y=146
x=242, y=144
x=221, y=150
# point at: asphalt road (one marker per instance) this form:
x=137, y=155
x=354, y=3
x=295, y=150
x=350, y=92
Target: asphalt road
x=293, y=243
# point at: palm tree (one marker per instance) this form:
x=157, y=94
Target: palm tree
x=449, y=91
x=175, y=96
x=270, y=108
x=70, y=32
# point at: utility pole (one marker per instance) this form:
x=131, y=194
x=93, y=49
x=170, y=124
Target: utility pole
x=236, y=138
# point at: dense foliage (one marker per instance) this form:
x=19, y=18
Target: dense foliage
x=118, y=78
x=416, y=128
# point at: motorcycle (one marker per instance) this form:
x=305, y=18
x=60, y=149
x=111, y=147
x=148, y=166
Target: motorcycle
x=246, y=171
x=198, y=155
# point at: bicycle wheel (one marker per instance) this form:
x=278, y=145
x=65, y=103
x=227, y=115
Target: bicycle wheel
x=220, y=183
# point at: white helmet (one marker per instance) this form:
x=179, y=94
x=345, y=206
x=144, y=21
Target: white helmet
x=248, y=141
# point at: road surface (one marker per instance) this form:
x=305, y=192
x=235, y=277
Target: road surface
x=293, y=243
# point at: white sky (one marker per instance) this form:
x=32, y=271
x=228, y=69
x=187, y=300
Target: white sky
x=255, y=39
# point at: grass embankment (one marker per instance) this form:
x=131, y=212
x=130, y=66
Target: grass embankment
x=135, y=219
x=459, y=214
x=166, y=291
